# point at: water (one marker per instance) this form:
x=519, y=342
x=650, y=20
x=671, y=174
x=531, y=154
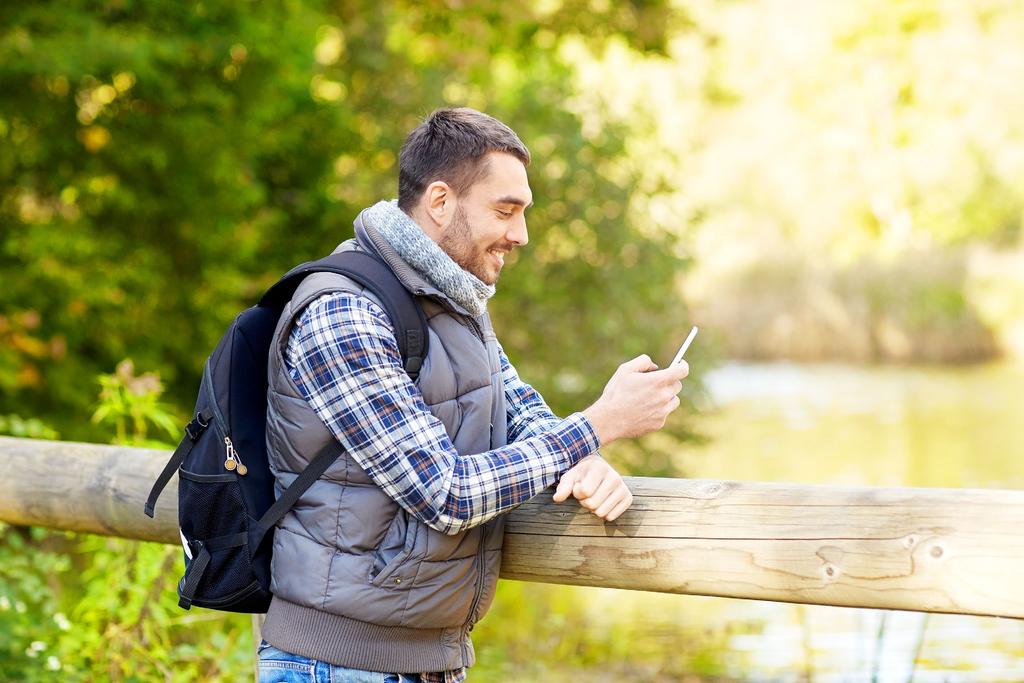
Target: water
x=818, y=424
x=834, y=424
x=842, y=425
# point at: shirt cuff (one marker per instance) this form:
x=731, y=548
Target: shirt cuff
x=576, y=437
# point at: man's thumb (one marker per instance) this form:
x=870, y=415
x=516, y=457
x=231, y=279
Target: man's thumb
x=564, y=489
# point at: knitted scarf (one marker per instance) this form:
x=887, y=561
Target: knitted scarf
x=423, y=254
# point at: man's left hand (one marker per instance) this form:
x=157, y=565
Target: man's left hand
x=597, y=486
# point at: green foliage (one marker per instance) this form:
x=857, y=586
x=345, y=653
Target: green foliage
x=581, y=631
x=146, y=175
x=136, y=631
x=912, y=308
x=162, y=163
x=126, y=398
x=86, y=608
x=30, y=619
x=30, y=428
x=827, y=142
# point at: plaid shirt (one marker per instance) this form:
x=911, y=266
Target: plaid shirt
x=343, y=357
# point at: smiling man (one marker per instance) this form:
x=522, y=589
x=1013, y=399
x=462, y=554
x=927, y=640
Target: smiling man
x=384, y=565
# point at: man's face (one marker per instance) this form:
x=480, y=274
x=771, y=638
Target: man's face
x=490, y=220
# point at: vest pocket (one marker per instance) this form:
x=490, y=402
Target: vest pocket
x=395, y=549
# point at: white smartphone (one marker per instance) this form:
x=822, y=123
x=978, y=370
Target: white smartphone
x=686, y=345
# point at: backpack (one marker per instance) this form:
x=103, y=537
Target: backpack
x=226, y=506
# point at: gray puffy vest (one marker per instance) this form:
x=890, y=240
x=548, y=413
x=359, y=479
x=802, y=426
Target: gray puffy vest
x=358, y=581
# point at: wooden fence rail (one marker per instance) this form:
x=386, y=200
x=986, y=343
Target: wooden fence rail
x=934, y=550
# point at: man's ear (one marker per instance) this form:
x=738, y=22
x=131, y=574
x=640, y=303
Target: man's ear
x=439, y=203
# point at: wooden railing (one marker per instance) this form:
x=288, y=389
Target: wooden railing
x=931, y=550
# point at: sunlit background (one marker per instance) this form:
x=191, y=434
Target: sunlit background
x=833, y=191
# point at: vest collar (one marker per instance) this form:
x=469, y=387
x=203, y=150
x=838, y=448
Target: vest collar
x=370, y=240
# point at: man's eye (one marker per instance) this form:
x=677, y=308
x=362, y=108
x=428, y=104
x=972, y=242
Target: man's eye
x=505, y=214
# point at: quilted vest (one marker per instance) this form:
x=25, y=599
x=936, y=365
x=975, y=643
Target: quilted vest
x=358, y=581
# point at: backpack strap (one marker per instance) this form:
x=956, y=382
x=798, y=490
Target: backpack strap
x=193, y=430
x=291, y=495
x=410, y=325
x=410, y=332
x=399, y=303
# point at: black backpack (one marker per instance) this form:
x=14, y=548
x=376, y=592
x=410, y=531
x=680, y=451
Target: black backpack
x=226, y=506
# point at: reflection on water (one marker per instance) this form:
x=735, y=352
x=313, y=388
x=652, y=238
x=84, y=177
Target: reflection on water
x=834, y=645
x=832, y=424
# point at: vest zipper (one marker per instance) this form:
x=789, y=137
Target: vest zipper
x=480, y=578
x=471, y=321
x=477, y=330
x=480, y=575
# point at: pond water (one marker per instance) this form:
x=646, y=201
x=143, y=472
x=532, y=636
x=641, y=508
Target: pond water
x=842, y=425
x=886, y=426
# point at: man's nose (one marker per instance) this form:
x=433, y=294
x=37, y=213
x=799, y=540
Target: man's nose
x=518, y=234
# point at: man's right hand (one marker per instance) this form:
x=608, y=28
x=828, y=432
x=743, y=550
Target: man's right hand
x=637, y=399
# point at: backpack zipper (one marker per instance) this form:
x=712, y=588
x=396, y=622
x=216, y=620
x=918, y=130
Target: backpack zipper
x=233, y=462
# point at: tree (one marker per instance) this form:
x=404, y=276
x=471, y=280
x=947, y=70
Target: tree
x=162, y=163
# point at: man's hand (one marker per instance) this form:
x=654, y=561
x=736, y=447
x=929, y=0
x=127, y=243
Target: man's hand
x=637, y=400
x=597, y=486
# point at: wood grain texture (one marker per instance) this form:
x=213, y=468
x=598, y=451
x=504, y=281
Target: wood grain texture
x=936, y=550
x=939, y=550
x=85, y=487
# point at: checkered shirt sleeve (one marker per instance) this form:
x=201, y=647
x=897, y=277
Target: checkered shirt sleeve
x=528, y=414
x=344, y=359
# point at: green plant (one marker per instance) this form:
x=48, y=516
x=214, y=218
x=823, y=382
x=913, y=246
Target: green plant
x=26, y=428
x=86, y=608
x=130, y=401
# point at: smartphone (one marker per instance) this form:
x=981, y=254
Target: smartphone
x=686, y=345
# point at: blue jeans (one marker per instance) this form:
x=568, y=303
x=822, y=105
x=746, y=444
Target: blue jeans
x=278, y=666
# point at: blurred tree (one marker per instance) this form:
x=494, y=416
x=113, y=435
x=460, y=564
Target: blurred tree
x=843, y=147
x=161, y=163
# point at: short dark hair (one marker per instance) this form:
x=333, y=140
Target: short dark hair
x=450, y=145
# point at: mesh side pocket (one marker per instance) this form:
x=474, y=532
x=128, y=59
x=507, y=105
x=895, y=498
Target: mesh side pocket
x=211, y=507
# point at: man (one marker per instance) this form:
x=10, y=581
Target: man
x=384, y=565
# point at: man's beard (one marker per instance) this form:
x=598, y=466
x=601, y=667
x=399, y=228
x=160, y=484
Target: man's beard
x=457, y=242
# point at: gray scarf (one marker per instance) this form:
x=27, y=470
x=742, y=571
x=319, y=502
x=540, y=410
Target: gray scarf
x=423, y=254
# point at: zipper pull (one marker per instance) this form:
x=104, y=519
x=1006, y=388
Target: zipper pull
x=233, y=462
